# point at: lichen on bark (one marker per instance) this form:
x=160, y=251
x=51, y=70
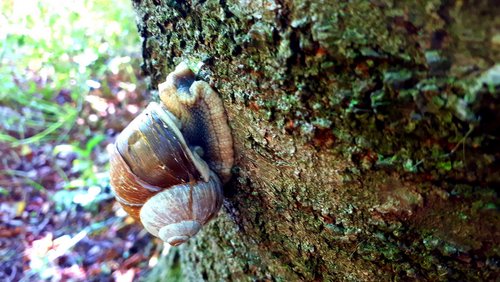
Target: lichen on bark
x=366, y=135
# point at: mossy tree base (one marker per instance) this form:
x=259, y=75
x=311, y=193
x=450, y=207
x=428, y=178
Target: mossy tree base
x=367, y=135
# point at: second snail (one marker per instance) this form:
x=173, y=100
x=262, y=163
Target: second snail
x=168, y=165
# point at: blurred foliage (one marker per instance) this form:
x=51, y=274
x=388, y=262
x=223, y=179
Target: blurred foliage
x=48, y=46
x=52, y=52
x=69, y=82
x=83, y=164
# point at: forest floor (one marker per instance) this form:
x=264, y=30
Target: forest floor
x=69, y=83
x=50, y=231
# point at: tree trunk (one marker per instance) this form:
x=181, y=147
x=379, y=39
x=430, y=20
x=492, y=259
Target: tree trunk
x=366, y=135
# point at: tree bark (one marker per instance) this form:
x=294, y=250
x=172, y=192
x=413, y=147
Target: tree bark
x=366, y=135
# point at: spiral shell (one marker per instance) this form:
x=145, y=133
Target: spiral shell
x=177, y=214
x=157, y=174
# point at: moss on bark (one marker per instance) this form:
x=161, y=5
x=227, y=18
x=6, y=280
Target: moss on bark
x=366, y=135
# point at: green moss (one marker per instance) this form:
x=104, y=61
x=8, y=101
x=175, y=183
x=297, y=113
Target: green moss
x=359, y=73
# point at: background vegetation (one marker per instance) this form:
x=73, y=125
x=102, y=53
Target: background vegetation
x=69, y=82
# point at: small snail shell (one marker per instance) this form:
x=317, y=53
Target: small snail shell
x=157, y=172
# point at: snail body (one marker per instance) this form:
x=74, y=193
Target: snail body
x=168, y=163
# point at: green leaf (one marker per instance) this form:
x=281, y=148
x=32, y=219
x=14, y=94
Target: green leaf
x=94, y=141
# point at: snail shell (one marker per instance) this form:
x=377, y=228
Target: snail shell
x=201, y=113
x=157, y=173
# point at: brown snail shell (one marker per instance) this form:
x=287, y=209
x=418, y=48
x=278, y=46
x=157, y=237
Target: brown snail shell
x=203, y=118
x=178, y=213
x=157, y=174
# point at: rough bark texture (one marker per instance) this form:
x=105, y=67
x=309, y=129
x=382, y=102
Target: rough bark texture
x=367, y=135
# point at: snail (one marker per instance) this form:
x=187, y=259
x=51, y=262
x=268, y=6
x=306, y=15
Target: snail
x=168, y=165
